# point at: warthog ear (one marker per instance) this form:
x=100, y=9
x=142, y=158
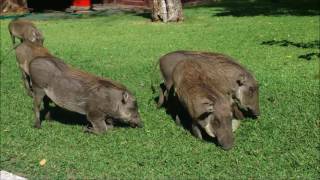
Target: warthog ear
x=34, y=36
x=33, y=39
x=125, y=97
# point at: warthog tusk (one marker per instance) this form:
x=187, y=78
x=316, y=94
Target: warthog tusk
x=208, y=129
x=235, y=124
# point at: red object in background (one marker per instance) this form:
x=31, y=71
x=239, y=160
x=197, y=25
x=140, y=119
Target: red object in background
x=81, y=3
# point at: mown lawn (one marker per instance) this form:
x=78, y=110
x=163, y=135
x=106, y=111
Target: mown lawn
x=283, y=143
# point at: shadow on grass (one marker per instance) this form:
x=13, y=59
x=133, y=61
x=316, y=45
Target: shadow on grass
x=64, y=116
x=265, y=8
x=145, y=15
x=310, y=45
x=309, y=56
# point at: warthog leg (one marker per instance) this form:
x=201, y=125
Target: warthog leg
x=237, y=113
x=161, y=98
x=37, y=99
x=196, y=131
x=97, y=120
x=27, y=83
x=178, y=120
x=109, y=123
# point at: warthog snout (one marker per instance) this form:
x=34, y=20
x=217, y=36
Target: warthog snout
x=226, y=140
x=140, y=125
x=254, y=112
x=136, y=122
x=136, y=125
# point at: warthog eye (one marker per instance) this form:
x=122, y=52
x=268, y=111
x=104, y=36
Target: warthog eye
x=204, y=115
x=251, y=91
x=216, y=123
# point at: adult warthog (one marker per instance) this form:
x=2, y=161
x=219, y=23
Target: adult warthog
x=244, y=87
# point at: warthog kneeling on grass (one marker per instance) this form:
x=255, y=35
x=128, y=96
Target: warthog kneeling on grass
x=245, y=89
x=103, y=101
x=25, y=52
x=209, y=109
x=25, y=30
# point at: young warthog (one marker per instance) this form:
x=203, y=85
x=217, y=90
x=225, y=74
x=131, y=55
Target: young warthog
x=103, y=101
x=25, y=30
x=25, y=52
x=244, y=87
x=208, y=108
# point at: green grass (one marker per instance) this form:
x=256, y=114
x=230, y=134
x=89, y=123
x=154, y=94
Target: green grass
x=283, y=143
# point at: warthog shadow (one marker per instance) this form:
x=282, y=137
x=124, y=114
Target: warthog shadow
x=64, y=116
x=61, y=115
x=303, y=45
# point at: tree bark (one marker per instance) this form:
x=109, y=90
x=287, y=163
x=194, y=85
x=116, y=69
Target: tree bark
x=13, y=6
x=167, y=10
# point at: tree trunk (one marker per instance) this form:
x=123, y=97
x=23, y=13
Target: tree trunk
x=13, y=6
x=167, y=10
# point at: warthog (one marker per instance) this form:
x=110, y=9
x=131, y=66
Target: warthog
x=25, y=30
x=25, y=52
x=208, y=108
x=245, y=89
x=103, y=101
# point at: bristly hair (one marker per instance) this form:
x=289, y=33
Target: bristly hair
x=59, y=64
x=89, y=80
x=196, y=82
x=218, y=57
x=109, y=83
